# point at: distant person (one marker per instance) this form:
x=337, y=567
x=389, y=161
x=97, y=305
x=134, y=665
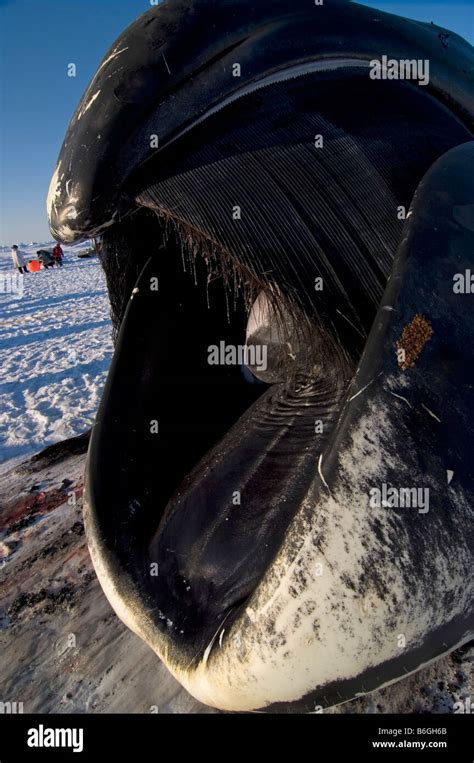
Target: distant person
x=58, y=255
x=20, y=259
x=46, y=258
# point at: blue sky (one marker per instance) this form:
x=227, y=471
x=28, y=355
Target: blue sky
x=38, y=39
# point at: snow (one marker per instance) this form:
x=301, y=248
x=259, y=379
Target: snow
x=55, y=350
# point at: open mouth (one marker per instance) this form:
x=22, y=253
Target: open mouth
x=261, y=272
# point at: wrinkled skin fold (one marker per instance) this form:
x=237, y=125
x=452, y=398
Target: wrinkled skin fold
x=230, y=520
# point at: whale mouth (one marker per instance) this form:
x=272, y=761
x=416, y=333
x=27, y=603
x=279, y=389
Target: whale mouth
x=253, y=246
x=215, y=461
x=190, y=442
x=207, y=465
x=211, y=467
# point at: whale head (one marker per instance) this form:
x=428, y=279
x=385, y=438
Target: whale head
x=273, y=222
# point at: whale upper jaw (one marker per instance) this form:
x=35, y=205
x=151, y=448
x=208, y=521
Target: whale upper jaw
x=306, y=606
x=151, y=69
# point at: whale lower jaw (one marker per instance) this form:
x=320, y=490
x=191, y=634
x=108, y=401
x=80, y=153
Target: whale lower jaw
x=238, y=682
x=238, y=676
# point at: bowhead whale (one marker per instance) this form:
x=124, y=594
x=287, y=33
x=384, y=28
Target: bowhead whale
x=255, y=175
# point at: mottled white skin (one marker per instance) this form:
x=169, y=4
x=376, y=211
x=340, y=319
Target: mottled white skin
x=306, y=626
x=60, y=184
x=307, y=629
x=54, y=190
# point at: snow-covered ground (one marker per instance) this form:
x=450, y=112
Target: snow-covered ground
x=55, y=350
